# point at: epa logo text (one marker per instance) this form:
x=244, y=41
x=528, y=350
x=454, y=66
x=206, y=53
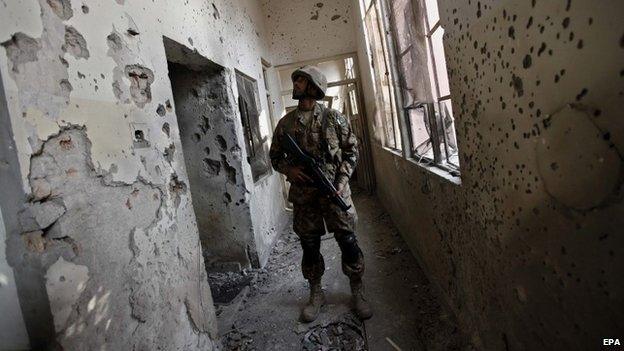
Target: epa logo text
x=611, y=342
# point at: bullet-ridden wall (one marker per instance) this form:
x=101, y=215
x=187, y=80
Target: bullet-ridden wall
x=528, y=249
x=305, y=30
x=101, y=232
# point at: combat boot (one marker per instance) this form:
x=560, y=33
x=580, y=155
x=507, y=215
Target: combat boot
x=360, y=305
x=313, y=307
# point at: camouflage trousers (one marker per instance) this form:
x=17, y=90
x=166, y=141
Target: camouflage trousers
x=310, y=218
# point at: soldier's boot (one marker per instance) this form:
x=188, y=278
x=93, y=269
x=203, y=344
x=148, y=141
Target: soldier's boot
x=313, y=307
x=353, y=267
x=360, y=305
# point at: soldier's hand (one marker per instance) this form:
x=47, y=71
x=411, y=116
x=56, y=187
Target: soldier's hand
x=340, y=189
x=296, y=175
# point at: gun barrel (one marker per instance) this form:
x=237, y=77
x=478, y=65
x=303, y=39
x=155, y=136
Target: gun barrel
x=311, y=166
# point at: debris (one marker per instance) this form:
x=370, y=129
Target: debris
x=226, y=286
x=345, y=334
x=236, y=340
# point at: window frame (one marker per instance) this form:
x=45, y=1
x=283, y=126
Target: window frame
x=254, y=150
x=387, y=48
x=430, y=107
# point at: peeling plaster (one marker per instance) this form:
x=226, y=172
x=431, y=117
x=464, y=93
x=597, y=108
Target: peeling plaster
x=65, y=283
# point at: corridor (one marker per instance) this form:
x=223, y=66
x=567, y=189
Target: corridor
x=409, y=313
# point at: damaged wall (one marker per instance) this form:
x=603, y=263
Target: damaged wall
x=526, y=249
x=207, y=123
x=305, y=30
x=107, y=250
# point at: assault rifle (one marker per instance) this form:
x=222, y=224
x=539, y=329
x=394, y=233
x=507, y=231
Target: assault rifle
x=312, y=169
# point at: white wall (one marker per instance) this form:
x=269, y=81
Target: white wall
x=302, y=30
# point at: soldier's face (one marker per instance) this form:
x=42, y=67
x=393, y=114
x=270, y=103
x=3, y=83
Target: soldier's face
x=300, y=86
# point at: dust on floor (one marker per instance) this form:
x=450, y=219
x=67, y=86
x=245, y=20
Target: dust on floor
x=409, y=314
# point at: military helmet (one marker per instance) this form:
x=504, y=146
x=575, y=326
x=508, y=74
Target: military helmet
x=314, y=76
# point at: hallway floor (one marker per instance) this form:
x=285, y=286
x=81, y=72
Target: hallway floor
x=408, y=313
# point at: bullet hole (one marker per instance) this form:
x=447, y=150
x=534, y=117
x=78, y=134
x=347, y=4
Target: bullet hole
x=196, y=137
x=222, y=143
x=554, y=166
x=478, y=9
x=581, y=94
x=21, y=49
x=314, y=17
x=622, y=41
x=141, y=79
x=216, y=13
x=579, y=45
x=63, y=62
x=66, y=86
x=62, y=8
x=211, y=167
x=335, y=17
x=603, y=237
x=526, y=63
x=231, y=171
x=511, y=32
x=85, y=9
x=161, y=110
x=165, y=129
x=556, y=78
x=114, y=42
x=169, y=152
x=66, y=143
x=541, y=49
x=227, y=198
x=517, y=85
x=569, y=3
x=75, y=43
x=319, y=4
x=168, y=105
x=533, y=3
x=566, y=22
x=190, y=40
x=606, y=136
x=139, y=139
x=207, y=150
x=132, y=32
x=176, y=188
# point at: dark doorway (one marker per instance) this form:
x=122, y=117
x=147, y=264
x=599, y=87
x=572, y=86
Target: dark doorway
x=207, y=125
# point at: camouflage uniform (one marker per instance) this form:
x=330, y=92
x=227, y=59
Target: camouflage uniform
x=328, y=137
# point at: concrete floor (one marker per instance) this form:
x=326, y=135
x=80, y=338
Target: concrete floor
x=407, y=310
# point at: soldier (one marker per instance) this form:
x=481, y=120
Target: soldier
x=325, y=134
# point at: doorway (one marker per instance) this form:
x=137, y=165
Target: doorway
x=205, y=112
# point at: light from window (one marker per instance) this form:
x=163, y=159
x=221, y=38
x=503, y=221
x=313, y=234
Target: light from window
x=424, y=83
x=382, y=75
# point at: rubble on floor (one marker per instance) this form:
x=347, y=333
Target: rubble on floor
x=346, y=334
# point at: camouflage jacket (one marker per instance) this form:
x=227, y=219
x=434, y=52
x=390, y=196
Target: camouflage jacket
x=331, y=142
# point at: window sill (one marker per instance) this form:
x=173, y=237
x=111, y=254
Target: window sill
x=441, y=172
x=397, y=152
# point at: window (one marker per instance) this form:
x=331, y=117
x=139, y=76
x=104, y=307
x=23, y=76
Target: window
x=255, y=143
x=424, y=83
x=382, y=74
